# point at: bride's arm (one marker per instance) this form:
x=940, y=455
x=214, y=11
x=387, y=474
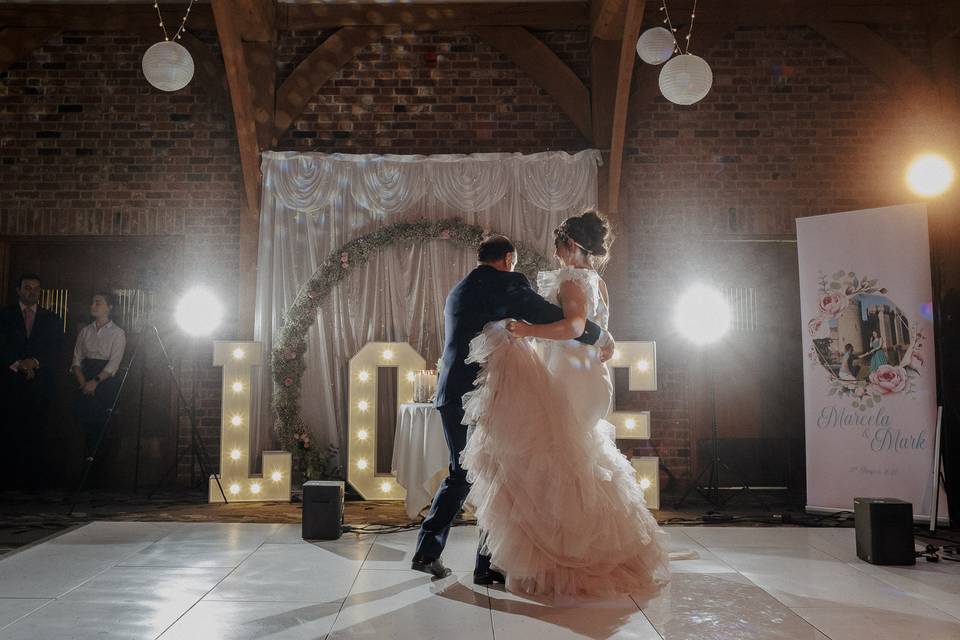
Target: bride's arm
x=574, y=302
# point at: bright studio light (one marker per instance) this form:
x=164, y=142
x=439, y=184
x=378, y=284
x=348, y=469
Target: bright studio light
x=929, y=175
x=237, y=387
x=645, y=483
x=363, y=376
x=630, y=423
x=238, y=353
x=362, y=434
x=276, y=476
x=362, y=464
x=363, y=405
x=643, y=366
x=702, y=314
x=388, y=354
x=235, y=488
x=411, y=376
x=385, y=487
x=235, y=454
x=198, y=313
x=236, y=420
x=255, y=488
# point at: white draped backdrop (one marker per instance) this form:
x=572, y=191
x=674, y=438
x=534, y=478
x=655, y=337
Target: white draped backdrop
x=314, y=203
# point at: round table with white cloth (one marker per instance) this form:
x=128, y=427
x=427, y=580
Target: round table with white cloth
x=420, y=455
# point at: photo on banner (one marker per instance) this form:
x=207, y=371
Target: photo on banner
x=869, y=373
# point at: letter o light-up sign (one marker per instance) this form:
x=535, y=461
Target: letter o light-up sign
x=238, y=359
x=362, y=413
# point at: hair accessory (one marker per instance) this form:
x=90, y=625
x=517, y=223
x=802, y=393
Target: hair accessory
x=563, y=235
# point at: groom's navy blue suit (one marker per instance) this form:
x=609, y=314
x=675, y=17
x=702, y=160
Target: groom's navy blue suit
x=485, y=295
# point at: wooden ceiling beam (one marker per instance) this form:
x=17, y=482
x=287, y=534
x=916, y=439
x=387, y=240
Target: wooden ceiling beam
x=631, y=30
x=241, y=96
x=543, y=66
x=17, y=42
x=760, y=13
x=101, y=17
x=435, y=17
x=606, y=18
x=316, y=70
x=602, y=15
x=246, y=30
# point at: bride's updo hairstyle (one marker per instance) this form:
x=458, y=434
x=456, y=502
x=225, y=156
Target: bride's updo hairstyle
x=590, y=231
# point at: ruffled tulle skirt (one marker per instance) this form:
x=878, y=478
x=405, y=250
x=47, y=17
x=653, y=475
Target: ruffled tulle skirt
x=559, y=507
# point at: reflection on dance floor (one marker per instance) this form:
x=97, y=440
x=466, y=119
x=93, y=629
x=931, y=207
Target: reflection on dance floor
x=227, y=581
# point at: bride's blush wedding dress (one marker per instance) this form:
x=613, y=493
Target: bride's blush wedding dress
x=559, y=507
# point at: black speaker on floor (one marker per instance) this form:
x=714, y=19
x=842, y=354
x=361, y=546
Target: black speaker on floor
x=884, y=530
x=322, y=510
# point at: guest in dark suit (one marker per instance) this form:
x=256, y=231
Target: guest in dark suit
x=30, y=339
x=491, y=292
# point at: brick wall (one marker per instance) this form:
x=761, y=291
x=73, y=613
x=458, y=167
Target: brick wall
x=791, y=128
x=88, y=148
x=422, y=93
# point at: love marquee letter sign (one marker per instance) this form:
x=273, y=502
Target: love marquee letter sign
x=238, y=359
x=639, y=357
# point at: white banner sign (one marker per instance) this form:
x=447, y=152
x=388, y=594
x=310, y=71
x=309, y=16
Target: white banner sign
x=869, y=374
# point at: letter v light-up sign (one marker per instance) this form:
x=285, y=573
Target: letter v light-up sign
x=238, y=359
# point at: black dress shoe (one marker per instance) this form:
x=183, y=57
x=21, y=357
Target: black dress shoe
x=488, y=577
x=433, y=567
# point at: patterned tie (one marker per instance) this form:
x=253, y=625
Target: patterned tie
x=28, y=313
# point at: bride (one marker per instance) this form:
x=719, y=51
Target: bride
x=560, y=509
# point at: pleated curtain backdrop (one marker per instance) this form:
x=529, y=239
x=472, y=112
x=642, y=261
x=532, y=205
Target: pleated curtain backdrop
x=314, y=203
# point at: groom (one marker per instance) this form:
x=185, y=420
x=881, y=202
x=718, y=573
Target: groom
x=489, y=293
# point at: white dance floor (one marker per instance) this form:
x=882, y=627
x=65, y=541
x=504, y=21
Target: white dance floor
x=226, y=581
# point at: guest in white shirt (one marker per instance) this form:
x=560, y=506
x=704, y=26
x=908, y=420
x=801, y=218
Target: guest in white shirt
x=96, y=360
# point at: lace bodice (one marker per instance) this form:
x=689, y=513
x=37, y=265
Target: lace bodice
x=548, y=283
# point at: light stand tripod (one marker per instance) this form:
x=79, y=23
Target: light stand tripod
x=198, y=449
x=711, y=491
x=698, y=303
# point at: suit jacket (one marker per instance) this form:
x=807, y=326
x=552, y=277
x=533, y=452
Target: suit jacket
x=487, y=295
x=43, y=344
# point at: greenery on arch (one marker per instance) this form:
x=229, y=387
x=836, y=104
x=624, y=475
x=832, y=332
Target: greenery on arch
x=287, y=360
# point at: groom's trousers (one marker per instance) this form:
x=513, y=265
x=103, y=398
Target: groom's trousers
x=451, y=494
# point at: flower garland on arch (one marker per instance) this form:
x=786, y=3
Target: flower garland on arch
x=287, y=360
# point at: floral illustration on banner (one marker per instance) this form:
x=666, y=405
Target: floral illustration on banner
x=288, y=363
x=865, y=342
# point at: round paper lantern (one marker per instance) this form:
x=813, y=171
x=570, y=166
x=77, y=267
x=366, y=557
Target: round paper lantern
x=686, y=79
x=656, y=45
x=168, y=66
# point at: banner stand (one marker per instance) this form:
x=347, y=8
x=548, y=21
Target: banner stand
x=935, y=496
